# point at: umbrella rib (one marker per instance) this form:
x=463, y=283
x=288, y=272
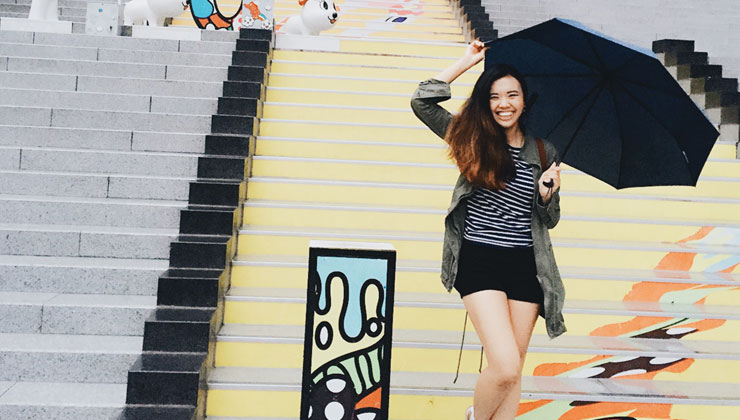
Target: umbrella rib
x=580, y=124
x=571, y=110
x=598, y=57
x=621, y=137
x=565, y=55
x=673, y=135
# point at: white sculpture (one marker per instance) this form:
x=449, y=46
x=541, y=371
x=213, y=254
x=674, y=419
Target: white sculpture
x=44, y=10
x=316, y=16
x=139, y=12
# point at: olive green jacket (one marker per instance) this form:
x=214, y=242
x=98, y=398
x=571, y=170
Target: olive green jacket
x=424, y=103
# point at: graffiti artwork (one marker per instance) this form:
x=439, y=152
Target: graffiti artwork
x=349, y=313
x=661, y=328
x=252, y=14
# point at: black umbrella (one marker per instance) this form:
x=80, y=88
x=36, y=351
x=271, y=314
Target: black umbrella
x=612, y=110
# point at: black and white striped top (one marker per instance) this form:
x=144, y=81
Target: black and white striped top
x=503, y=217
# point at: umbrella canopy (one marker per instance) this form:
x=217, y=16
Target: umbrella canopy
x=612, y=110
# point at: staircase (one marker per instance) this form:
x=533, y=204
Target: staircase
x=651, y=274
x=99, y=140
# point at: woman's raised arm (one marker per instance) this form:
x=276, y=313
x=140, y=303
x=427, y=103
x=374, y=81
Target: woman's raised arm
x=426, y=98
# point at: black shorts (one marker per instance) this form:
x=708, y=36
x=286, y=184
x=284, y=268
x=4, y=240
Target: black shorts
x=486, y=267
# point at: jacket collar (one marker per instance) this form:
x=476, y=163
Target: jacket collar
x=529, y=151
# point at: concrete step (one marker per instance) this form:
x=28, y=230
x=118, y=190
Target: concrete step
x=116, y=276
x=412, y=349
x=91, y=211
x=116, y=69
x=92, y=139
x=239, y=391
x=179, y=165
x=93, y=185
x=55, y=313
x=107, y=102
x=217, y=46
x=114, y=55
x=67, y=358
x=116, y=85
x=582, y=283
x=111, y=120
x=598, y=224
x=61, y=400
x=86, y=241
x=443, y=311
x=713, y=252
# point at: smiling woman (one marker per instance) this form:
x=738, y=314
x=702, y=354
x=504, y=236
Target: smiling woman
x=497, y=252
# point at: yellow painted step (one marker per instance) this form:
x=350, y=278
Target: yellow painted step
x=284, y=189
x=370, y=14
x=424, y=49
x=340, y=114
x=358, y=70
x=317, y=81
x=410, y=36
x=254, y=242
x=379, y=5
x=330, y=97
x=280, y=128
x=266, y=404
x=420, y=359
x=451, y=319
x=407, y=172
x=603, y=230
x=398, y=28
x=369, y=60
x=272, y=276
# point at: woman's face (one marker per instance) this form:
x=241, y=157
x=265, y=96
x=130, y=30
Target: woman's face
x=507, y=101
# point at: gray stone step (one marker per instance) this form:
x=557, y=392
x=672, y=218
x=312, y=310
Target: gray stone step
x=54, y=313
x=92, y=139
x=86, y=241
x=199, y=89
x=160, y=214
x=61, y=401
x=122, y=85
x=103, y=162
x=80, y=275
x=214, y=42
x=74, y=118
x=107, y=102
x=93, y=185
x=62, y=3
x=116, y=69
x=67, y=358
x=9, y=49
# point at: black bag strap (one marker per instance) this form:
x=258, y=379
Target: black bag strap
x=543, y=155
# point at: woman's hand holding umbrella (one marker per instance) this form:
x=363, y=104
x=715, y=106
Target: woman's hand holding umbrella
x=474, y=53
x=549, y=182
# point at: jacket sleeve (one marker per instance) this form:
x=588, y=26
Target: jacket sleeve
x=424, y=103
x=550, y=212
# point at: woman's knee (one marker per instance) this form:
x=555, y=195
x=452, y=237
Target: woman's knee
x=504, y=375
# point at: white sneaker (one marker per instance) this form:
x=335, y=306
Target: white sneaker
x=469, y=414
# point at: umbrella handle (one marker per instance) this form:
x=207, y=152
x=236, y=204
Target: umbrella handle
x=549, y=183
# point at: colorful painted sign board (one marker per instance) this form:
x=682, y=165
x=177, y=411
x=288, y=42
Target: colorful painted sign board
x=349, y=317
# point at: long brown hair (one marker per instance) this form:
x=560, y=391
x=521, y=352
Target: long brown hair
x=477, y=143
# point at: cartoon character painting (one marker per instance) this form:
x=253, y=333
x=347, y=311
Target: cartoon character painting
x=207, y=15
x=153, y=12
x=316, y=16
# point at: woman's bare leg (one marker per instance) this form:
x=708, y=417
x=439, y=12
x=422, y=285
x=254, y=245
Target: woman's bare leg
x=489, y=312
x=523, y=318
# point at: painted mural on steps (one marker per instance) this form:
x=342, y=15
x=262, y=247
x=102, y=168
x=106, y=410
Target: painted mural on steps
x=645, y=327
x=249, y=14
x=346, y=372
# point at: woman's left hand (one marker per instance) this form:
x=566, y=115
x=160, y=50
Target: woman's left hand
x=553, y=172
